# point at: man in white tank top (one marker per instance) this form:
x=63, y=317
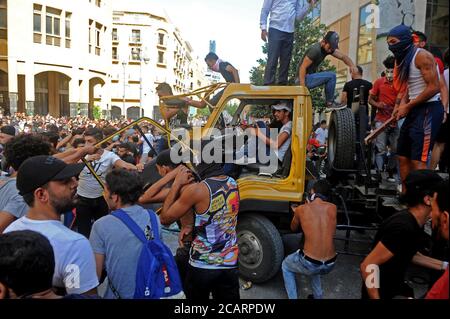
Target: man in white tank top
x=417, y=79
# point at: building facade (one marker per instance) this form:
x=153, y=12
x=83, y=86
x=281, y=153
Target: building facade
x=363, y=26
x=54, y=56
x=147, y=49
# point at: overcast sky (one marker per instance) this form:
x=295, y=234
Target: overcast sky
x=234, y=24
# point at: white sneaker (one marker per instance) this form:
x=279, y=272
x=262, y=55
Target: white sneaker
x=391, y=180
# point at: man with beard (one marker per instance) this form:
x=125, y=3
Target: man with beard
x=440, y=222
x=48, y=186
x=416, y=78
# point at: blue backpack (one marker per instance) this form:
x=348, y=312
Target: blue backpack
x=157, y=274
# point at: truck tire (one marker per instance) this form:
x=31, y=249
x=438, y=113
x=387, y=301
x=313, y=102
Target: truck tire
x=341, y=140
x=261, y=250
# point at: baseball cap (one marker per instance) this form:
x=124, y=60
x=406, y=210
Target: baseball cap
x=39, y=170
x=282, y=106
x=422, y=180
x=8, y=130
x=332, y=38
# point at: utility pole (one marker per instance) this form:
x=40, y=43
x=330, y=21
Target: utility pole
x=124, y=111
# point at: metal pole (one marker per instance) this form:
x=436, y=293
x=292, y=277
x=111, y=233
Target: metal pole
x=140, y=87
x=124, y=88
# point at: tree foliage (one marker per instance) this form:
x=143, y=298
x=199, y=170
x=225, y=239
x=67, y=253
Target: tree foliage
x=307, y=33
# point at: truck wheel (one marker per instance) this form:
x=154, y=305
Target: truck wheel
x=261, y=250
x=341, y=140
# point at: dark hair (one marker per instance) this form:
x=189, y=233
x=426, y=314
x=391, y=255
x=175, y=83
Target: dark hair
x=52, y=128
x=163, y=159
x=126, y=146
x=389, y=62
x=415, y=192
x=95, y=133
x=127, y=185
x=165, y=87
x=22, y=147
x=27, y=262
x=443, y=196
x=78, y=131
x=52, y=137
x=360, y=69
x=77, y=142
x=422, y=36
x=211, y=56
x=323, y=122
x=107, y=131
x=322, y=187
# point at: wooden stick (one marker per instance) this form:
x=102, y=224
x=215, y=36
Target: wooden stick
x=378, y=131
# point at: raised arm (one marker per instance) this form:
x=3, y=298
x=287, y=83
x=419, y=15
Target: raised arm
x=301, y=12
x=344, y=58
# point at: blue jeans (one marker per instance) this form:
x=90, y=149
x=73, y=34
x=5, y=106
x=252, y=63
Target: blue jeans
x=279, y=49
x=323, y=78
x=296, y=263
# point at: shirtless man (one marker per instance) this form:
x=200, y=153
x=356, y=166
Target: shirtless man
x=317, y=220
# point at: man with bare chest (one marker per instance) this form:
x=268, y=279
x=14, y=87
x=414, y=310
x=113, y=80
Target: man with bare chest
x=317, y=220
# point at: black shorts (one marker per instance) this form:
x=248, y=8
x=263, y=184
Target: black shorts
x=443, y=133
x=419, y=131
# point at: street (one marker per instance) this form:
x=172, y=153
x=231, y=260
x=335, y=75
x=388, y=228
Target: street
x=344, y=282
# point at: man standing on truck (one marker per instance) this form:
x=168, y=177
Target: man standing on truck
x=307, y=72
x=317, y=219
x=283, y=15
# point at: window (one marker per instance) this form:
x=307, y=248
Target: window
x=53, y=26
x=365, y=43
x=161, y=38
x=114, y=53
x=135, y=54
x=98, y=33
x=161, y=59
x=114, y=35
x=136, y=36
x=37, y=24
x=68, y=29
x=436, y=25
x=3, y=15
x=90, y=36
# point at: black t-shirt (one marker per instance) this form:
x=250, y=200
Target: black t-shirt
x=350, y=86
x=228, y=76
x=317, y=55
x=401, y=235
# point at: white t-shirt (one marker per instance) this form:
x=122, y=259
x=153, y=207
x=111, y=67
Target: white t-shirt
x=75, y=267
x=283, y=148
x=145, y=147
x=87, y=185
x=321, y=135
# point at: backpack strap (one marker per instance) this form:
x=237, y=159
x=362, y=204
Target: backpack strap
x=139, y=233
x=154, y=223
